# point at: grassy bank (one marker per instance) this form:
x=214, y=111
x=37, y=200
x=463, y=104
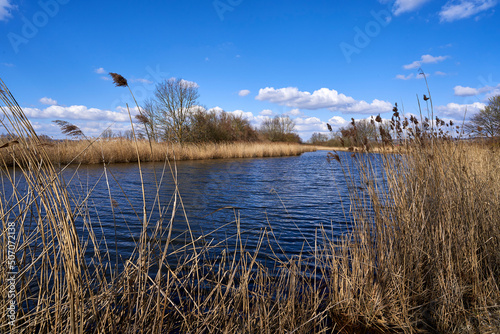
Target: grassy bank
x=122, y=150
x=377, y=149
x=422, y=255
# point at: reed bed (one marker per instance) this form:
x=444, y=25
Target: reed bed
x=422, y=255
x=380, y=149
x=123, y=150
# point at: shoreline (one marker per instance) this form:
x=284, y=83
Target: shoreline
x=391, y=149
x=125, y=151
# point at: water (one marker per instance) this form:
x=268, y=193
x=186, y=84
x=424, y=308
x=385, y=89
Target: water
x=295, y=197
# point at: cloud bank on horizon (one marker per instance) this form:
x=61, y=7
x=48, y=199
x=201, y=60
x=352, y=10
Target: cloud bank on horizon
x=322, y=98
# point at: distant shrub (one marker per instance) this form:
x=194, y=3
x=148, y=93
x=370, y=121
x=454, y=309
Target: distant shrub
x=279, y=129
x=325, y=140
x=212, y=126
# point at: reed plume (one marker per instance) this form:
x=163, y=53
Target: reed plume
x=119, y=80
x=69, y=129
x=142, y=118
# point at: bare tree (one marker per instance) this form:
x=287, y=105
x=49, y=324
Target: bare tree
x=359, y=132
x=128, y=135
x=149, y=117
x=175, y=99
x=318, y=138
x=487, y=121
x=107, y=134
x=367, y=130
x=280, y=128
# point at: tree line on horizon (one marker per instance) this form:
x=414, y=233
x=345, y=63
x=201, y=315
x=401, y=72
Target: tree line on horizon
x=483, y=124
x=175, y=115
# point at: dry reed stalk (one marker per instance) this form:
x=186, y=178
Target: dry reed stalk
x=421, y=255
x=423, y=252
x=63, y=291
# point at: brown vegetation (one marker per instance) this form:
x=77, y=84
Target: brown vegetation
x=426, y=256
x=422, y=255
x=123, y=150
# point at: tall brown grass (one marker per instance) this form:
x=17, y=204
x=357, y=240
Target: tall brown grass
x=422, y=255
x=123, y=150
x=424, y=251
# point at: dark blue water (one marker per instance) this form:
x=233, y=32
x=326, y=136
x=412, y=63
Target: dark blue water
x=295, y=197
x=299, y=199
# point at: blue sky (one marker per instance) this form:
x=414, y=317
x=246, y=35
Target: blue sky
x=316, y=61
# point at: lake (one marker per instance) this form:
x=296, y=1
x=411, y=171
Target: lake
x=296, y=197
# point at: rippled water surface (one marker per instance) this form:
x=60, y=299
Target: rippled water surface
x=294, y=196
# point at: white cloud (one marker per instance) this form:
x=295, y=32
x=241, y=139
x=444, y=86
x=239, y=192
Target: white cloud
x=144, y=81
x=292, y=97
x=308, y=120
x=411, y=76
x=100, y=70
x=425, y=59
x=294, y=112
x=257, y=120
x=217, y=110
x=486, y=89
x=403, y=6
x=79, y=113
x=337, y=121
x=306, y=126
x=469, y=91
x=457, y=111
x=461, y=9
x=243, y=92
x=5, y=8
x=403, y=77
x=362, y=107
x=189, y=83
x=197, y=108
x=321, y=98
x=465, y=91
x=95, y=128
x=309, y=124
x=245, y=114
x=47, y=100
x=493, y=92
x=439, y=73
x=124, y=110
x=266, y=112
